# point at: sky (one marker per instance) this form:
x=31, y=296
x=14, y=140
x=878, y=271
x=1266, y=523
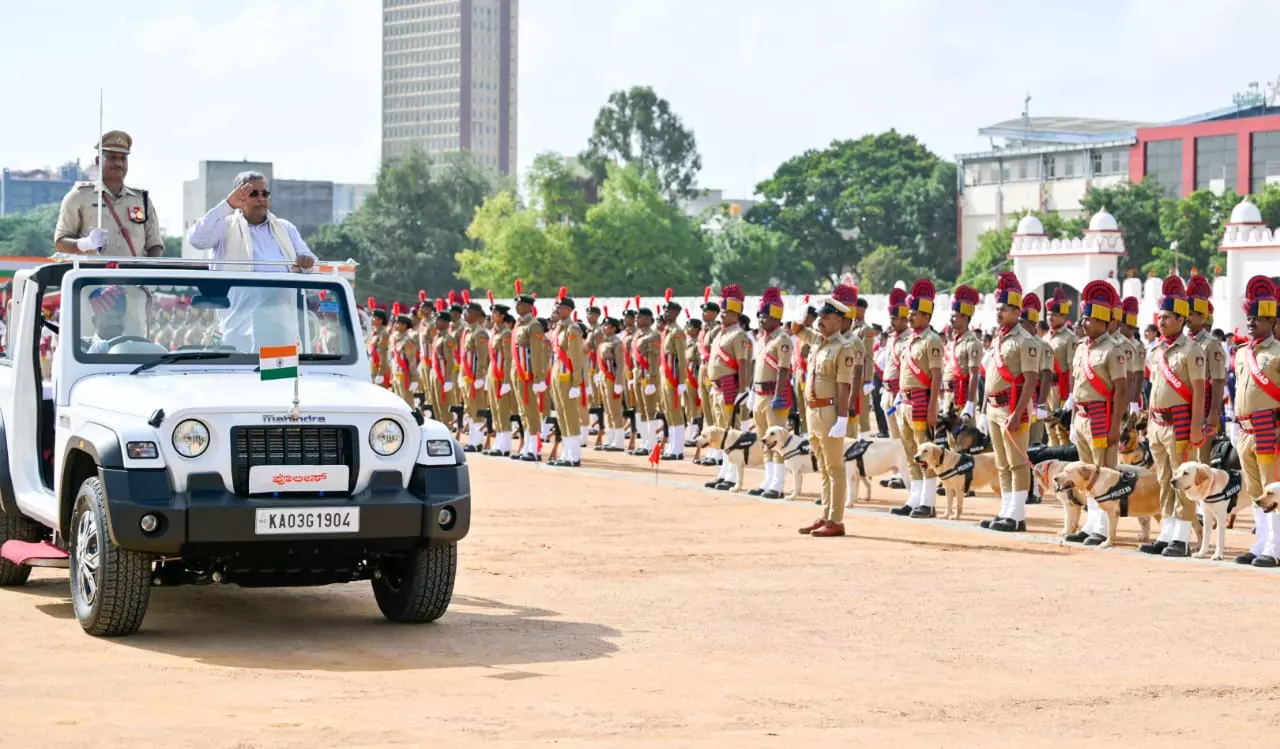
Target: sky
x=297, y=82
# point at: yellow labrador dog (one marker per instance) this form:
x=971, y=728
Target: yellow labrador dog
x=1214, y=491
x=951, y=468
x=1130, y=492
x=1270, y=498
x=1042, y=474
x=741, y=449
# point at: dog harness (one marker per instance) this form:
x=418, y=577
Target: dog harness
x=855, y=452
x=964, y=465
x=1122, y=491
x=1230, y=491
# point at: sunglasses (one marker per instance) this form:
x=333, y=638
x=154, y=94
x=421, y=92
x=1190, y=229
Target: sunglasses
x=263, y=193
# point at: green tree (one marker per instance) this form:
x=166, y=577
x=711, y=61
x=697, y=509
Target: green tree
x=1137, y=211
x=558, y=188
x=879, y=271
x=639, y=127
x=1192, y=229
x=841, y=203
x=1268, y=202
x=29, y=234
x=514, y=244
x=754, y=256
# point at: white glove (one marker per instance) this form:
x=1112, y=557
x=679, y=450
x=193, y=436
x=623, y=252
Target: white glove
x=506, y=388
x=462, y=382
x=378, y=380
x=481, y=385
x=413, y=386
x=448, y=387
x=1041, y=413
x=96, y=240
x=751, y=401
x=1071, y=402
x=840, y=428
x=650, y=389
x=539, y=387
x=1133, y=408
x=682, y=388
x=590, y=390
x=868, y=387
x=1230, y=413
x=574, y=392
x=968, y=409
x=617, y=390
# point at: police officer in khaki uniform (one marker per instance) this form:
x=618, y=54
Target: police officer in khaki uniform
x=1176, y=423
x=800, y=358
x=498, y=387
x=444, y=367
x=1257, y=400
x=403, y=353
x=962, y=356
x=1099, y=396
x=707, y=338
x=591, y=343
x=672, y=374
x=1013, y=370
x=611, y=383
x=772, y=390
x=1123, y=327
x=130, y=227
x=568, y=381
x=1199, y=321
x=379, y=366
x=855, y=348
x=890, y=377
x=729, y=368
x=920, y=375
x=1030, y=320
x=645, y=348
x=530, y=367
x=865, y=335
x=473, y=371
x=1062, y=345
x=829, y=387
x=692, y=399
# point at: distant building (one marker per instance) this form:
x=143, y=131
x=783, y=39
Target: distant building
x=309, y=204
x=347, y=198
x=1048, y=163
x=715, y=199
x=449, y=72
x=20, y=190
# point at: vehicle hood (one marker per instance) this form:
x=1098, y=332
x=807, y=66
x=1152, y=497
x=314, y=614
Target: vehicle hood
x=242, y=392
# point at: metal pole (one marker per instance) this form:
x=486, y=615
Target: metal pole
x=101, y=184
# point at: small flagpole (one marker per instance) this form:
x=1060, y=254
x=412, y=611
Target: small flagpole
x=296, y=377
x=101, y=185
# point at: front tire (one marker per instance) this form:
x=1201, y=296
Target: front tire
x=16, y=528
x=110, y=587
x=418, y=587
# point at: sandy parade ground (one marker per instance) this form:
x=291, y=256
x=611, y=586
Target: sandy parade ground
x=597, y=607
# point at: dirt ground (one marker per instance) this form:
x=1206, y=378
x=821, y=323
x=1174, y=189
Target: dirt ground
x=595, y=608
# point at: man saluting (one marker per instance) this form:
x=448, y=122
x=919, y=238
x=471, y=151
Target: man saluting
x=129, y=228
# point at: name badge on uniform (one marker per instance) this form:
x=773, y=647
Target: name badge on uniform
x=136, y=214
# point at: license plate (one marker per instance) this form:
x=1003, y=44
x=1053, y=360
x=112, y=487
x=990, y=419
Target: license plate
x=286, y=479
x=289, y=520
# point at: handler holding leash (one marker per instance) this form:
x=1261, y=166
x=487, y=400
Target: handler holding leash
x=920, y=370
x=1176, y=426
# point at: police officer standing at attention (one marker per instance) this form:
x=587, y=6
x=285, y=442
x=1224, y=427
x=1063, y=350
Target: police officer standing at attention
x=1176, y=424
x=673, y=364
x=529, y=373
x=502, y=402
x=710, y=330
x=1062, y=342
x=892, y=353
x=963, y=353
x=1099, y=396
x=1257, y=400
x=773, y=395
x=828, y=390
x=1012, y=374
x=1201, y=312
x=568, y=381
x=129, y=228
x=920, y=370
x=729, y=367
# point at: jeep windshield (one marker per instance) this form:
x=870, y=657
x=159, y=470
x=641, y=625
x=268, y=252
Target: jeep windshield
x=219, y=321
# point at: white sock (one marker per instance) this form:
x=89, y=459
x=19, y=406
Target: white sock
x=779, y=478
x=768, y=477
x=913, y=493
x=723, y=475
x=678, y=440
x=1182, y=531
x=1271, y=521
x=1006, y=504
x=1233, y=433
x=1259, y=538
x=928, y=492
x=546, y=431
x=1166, y=530
x=1019, y=499
x=1102, y=523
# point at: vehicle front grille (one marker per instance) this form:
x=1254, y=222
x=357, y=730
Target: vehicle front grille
x=291, y=446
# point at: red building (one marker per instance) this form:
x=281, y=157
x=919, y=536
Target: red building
x=1237, y=149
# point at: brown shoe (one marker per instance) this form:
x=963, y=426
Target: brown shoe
x=816, y=525
x=828, y=530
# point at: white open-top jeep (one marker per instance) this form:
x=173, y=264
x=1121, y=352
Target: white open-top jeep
x=160, y=445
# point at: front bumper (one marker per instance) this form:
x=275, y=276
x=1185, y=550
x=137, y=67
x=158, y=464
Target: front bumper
x=212, y=516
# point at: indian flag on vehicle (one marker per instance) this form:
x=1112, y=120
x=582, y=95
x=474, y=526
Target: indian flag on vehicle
x=278, y=362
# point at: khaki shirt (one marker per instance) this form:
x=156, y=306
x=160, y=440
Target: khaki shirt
x=896, y=342
x=692, y=355
x=733, y=343
x=528, y=335
x=379, y=366
x=1020, y=352
x=644, y=351
x=1063, y=346
x=568, y=338
x=673, y=351
x=923, y=348
x=79, y=214
x=501, y=343
x=475, y=349
x=963, y=353
x=829, y=367
x=402, y=345
x=1250, y=397
x=613, y=360
x=1186, y=360
x=774, y=354
x=1133, y=353
x=1214, y=355
x=444, y=351
x=1109, y=363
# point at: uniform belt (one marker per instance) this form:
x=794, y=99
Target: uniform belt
x=766, y=388
x=1162, y=416
x=820, y=402
x=999, y=399
x=892, y=385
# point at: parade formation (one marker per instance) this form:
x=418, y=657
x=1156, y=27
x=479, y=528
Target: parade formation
x=656, y=383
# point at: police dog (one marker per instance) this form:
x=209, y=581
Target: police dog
x=942, y=461
x=741, y=449
x=1214, y=491
x=1270, y=498
x=1092, y=482
x=878, y=457
x=795, y=451
x=1042, y=474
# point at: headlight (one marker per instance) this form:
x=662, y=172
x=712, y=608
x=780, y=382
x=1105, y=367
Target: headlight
x=190, y=438
x=386, y=437
x=439, y=448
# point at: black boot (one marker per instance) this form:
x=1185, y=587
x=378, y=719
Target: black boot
x=1156, y=547
x=1097, y=539
x=923, y=512
x=1176, y=549
x=903, y=511
x=1075, y=538
x=1009, y=525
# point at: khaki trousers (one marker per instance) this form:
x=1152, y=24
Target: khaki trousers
x=1257, y=473
x=1058, y=434
x=1167, y=457
x=829, y=453
x=673, y=404
x=1010, y=450
x=911, y=442
x=502, y=406
x=766, y=417
x=721, y=410
x=1082, y=438
x=613, y=418
x=530, y=416
x=886, y=402
x=567, y=414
